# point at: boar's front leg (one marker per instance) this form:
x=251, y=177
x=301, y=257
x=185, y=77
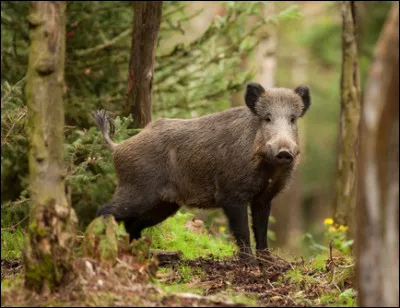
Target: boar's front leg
x=260, y=211
x=239, y=226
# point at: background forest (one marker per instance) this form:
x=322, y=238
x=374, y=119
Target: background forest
x=206, y=53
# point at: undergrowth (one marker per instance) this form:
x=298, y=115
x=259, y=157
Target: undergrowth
x=11, y=244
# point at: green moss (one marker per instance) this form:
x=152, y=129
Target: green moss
x=181, y=287
x=34, y=228
x=15, y=282
x=246, y=299
x=185, y=273
x=319, y=261
x=39, y=272
x=173, y=235
x=101, y=239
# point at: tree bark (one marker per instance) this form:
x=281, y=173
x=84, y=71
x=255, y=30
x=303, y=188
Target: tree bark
x=147, y=20
x=52, y=220
x=377, y=220
x=349, y=119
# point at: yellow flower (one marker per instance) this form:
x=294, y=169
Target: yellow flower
x=343, y=228
x=222, y=229
x=332, y=229
x=328, y=221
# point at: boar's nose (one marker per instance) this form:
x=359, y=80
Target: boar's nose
x=284, y=157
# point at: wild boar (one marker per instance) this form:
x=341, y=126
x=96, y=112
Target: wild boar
x=231, y=159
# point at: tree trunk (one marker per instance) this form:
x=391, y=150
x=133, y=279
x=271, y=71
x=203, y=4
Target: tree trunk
x=52, y=220
x=349, y=119
x=377, y=244
x=147, y=20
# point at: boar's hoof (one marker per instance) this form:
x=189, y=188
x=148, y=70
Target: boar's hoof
x=264, y=257
x=247, y=260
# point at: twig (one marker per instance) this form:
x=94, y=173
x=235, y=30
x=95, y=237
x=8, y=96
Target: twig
x=12, y=89
x=12, y=228
x=4, y=141
x=85, y=52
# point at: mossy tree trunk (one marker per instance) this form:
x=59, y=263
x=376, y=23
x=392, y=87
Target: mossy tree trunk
x=349, y=119
x=52, y=220
x=377, y=219
x=147, y=20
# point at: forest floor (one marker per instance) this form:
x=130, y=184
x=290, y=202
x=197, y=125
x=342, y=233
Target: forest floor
x=198, y=282
x=180, y=263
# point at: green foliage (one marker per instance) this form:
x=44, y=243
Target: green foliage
x=14, y=166
x=290, y=13
x=186, y=273
x=336, y=235
x=12, y=243
x=91, y=176
x=340, y=299
x=95, y=38
x=173, y=235
x=347, y=298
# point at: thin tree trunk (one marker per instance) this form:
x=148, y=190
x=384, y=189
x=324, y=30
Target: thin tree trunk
x=349, y=119
x=52, y=220
x=147, y=20
x=377, y=232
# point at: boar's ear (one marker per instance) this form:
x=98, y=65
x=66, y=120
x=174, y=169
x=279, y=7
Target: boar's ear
x=304, y=93
x=253, y=93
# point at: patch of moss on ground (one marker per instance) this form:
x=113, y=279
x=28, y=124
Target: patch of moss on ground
x=181, y=288
x=173, y=235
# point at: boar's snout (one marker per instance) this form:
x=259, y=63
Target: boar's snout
x=284, y=157
x=283, y=154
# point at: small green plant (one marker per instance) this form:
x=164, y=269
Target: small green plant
x=295, y=275
x=338, y=235
x=347, y=298
x=185, y=273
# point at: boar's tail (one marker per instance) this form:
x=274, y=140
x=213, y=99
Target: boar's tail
x=103, y=122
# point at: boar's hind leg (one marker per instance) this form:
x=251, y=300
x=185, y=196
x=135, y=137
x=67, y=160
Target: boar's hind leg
x=151, y=217
x=239, y=226
x=260, y=211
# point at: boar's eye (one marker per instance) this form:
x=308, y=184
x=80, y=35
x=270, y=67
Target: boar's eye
x=268, y=118
x=292, y=119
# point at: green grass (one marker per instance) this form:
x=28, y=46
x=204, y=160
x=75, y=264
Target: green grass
x=173, y=235
x=11, y=244
x=241, y=298
x=181, y=288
